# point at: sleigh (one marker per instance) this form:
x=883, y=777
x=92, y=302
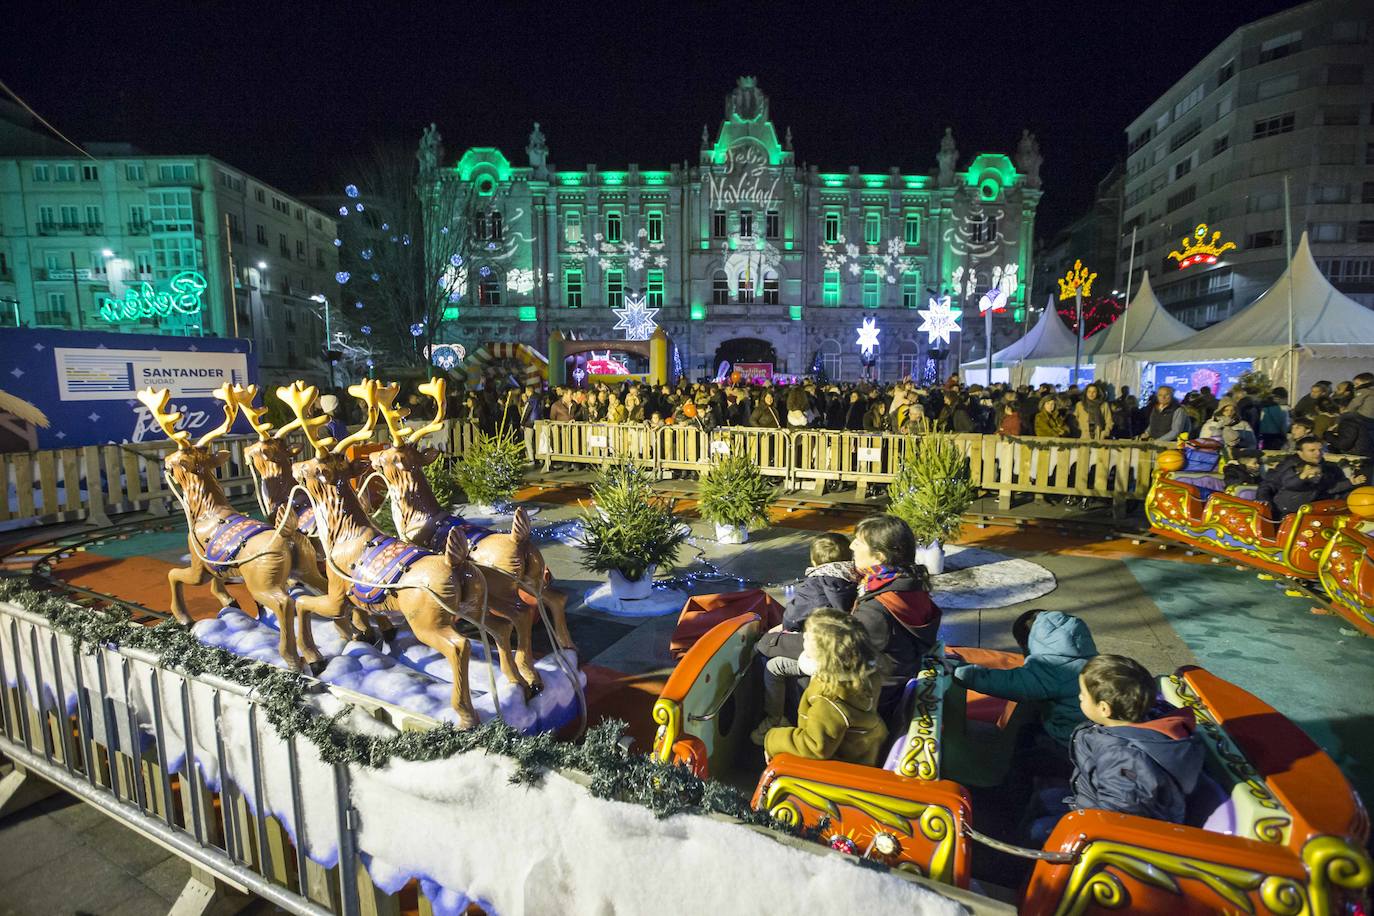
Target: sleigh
x=1347, y=570
x=1273, y=828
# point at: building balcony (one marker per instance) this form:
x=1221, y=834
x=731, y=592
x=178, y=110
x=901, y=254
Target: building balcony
x=69, y=227
x=93, y=228
x=52, y=319
x=47, y=228
x=142, y=228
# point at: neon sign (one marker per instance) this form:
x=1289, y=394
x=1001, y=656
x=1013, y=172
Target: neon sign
x=182, y=297
x=1201, y=251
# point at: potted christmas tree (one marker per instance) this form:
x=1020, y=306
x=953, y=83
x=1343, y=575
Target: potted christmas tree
x=629, y=531
x=490, y=470
x=735, y=496
x=931, y=493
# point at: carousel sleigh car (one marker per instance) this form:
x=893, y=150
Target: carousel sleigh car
x=1274, y=828
x=1347, y=567
x=1190, y=503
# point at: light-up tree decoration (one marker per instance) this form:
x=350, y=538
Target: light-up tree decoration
x=1076, y=284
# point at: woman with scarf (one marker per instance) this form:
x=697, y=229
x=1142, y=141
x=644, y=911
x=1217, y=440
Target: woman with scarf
x=1094, y=415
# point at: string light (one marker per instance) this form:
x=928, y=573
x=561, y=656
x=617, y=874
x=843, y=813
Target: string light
x=342, y=277
x=1201, y=251
x=1078, y=278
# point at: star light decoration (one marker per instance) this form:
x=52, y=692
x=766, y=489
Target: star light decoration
x=939, y=321
x=636, y=318
x=868, y=336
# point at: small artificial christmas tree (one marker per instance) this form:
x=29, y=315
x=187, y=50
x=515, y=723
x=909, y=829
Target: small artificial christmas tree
x=628, y=528
x=490, y=470
x=932, y=491
x=734, y=495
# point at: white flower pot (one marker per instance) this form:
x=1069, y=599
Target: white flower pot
x=731, y=534
x=623, y=589
x=932, y=557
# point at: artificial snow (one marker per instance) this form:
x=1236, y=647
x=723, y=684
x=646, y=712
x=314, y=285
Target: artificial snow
x=977, y=578
x=658, y=602
x=501, y=517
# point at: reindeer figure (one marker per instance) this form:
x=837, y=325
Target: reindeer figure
x=376, y=571
x=223, y=542
x=421, y=520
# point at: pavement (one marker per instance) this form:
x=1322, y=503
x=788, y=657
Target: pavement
x=1166, y=608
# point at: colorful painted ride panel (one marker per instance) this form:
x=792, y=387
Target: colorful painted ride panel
x=1347, y=572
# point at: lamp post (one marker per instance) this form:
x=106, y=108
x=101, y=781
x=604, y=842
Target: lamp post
x=1077, y=283
x=328, y=339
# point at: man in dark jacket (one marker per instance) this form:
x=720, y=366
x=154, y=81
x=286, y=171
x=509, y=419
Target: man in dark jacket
x=1165, y=419
x=1351, y=434
x=1304, y=478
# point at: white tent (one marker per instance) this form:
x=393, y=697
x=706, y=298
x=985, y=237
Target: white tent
x=1333, y=334
x=1044, y=353
x=1144, y=325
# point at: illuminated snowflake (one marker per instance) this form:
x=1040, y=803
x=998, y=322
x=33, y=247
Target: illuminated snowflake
x=868, y=336
x=520, y=281
x=939, y=321
x=636, y=318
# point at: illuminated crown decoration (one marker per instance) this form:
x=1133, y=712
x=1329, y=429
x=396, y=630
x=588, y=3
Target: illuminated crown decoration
x=1200, y=250
x=1076, y=279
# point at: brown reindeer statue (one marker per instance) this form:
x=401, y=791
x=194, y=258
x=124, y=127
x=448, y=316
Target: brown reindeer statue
x=374, y=570
x=421, y=520
x=222, y=541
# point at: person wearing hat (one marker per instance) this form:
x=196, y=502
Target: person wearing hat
x=329, y=406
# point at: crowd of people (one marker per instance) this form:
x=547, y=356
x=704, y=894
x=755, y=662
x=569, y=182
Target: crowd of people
x=862, y=623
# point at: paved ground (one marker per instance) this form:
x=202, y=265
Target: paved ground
x=1164, y=608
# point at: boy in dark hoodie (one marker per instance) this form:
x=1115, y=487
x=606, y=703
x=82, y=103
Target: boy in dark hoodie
x=1123, y=761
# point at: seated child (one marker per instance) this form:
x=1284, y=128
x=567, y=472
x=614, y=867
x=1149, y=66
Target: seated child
x=1056, y=646
x=1245, y=469
x=1123, y=761
x=837, y=718
x=831, y=581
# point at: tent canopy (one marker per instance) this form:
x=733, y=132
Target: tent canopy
x=1325, y=322
x=1144, y=324
x=1049, y=342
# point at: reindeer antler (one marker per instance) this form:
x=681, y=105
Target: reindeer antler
x=231, y=413
x=245, y=397
x=395, y=416
x=156, y=402
x=299, y=396
x=436, y=389
x=365, y=391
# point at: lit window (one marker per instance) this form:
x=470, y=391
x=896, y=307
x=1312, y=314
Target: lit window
x=911, y=291
x=718, y=224
x=832, y=227
x=489, y=289
x=872, y=289
x=746, y=287
x=911, y=231
x=773, y=227
x=40, y=172
x=720, y=288
x=615, y=289
x=65, y=172
x=613, y=233
x=830, y=288
x=572, y=289
x=655, y=227
x=572, y=227
x=90, y=172
x=746, y=224
x=873, y=228
x=655, y=287
x=770, y=288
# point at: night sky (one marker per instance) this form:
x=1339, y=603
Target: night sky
x=295, y=92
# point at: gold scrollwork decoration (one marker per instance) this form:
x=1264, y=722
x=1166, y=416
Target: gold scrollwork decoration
x=937, y=825
x=668, y=715
x=786, y=813
x=1333, y=861
x=1283, y=896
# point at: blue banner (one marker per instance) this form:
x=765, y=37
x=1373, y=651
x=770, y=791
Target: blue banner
x=85, y=382
x=1218, y=376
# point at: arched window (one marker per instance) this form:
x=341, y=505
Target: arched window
x=746, y=287
x=720, y=288
x=771, y=294
x=830, y=357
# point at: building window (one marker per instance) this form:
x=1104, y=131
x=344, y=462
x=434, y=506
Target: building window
x=872, y=289
x=71, y=218
x=1348, y=270
x=911, y=291
x=830, y=287
x=176, y=171
x=1220, y=145
x=90, y=172
x=57, y=310
x=745, y=287
x=1367, y=193
x=1267, y=238
x=982, y=228
x=615, y=289
x=133, y=171
x=613, y=233
x=720, y=288
x=1226, y=71
x=771, y=292
x=1261, y=201
x=300, y=249
x=655, y=226
x=773, y=225
x=40, y=172
x=911, y=229
x=1272, y=127
x=1364, y=230
x=1344, y=75
x=262, y=234
x=1185, y=133
x=46, y=221
x=572, y=288
x=319, y=257
x=1188, y=102
x=873, y=228
x=489, y=289
x=1340, y=115
x=1330, y=194
x=746, y=224
x=655, y=289
x=1328, y=232
x=832, y=227
x=260, y=195
x=572, y=228
x=170, y=211
x=1280, y=46
x=64, y=172
x=718, y=230
x=1181, y=199
x=496, y=229
x=93, y=218
x=1183, y=167
x=98, y=264
x=1276, y=85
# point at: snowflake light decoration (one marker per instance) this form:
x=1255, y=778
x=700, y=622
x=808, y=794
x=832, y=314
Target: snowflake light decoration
x=417, y=329
x=868, y=336
x=636, y=318
x=887, y=260
x=342, y=277
x=520, y=281
x=939, y=321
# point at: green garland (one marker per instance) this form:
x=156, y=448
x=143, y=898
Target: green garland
x=663, y=788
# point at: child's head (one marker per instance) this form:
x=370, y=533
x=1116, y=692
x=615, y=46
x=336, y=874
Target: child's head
x=1300, y=428
x=1021, y=627
x=830, y=548
x=1114, y=688
x=886, y=540
x=836, y=642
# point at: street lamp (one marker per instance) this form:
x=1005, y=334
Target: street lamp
x=330, y=356
x=1076, y=284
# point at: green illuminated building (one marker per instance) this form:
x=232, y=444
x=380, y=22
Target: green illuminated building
x=748, y=244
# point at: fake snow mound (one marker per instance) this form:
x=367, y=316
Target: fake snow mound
x=492, y=516
x=977, y=578
x=406, y=672
x=659, y=601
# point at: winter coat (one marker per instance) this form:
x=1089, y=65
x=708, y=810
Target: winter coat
x=561, y=412
x=1289, y=492
x=1235, y=434
x=1059, y=646
x=766, y=416
x=1147, y=769
x=828, y=585
x=1363, y=402
x=1010, y=425
x=1235, y=474
x=1051, y=425
x=875, y=422
x=902, y=624
x=1351, y=435
x=833, y=725
x=1091, y=427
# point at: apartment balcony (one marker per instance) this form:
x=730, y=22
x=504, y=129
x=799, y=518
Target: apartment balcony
x=142, y=228
x=52, y=319
x=93, y=228
x=47, y=228
x=69, y=227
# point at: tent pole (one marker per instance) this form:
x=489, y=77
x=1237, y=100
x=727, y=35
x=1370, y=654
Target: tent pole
x=1125, y=314
x=1078, y=334
x=1288, y=244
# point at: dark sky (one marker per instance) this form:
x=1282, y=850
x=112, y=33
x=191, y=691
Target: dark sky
x=294, y=91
